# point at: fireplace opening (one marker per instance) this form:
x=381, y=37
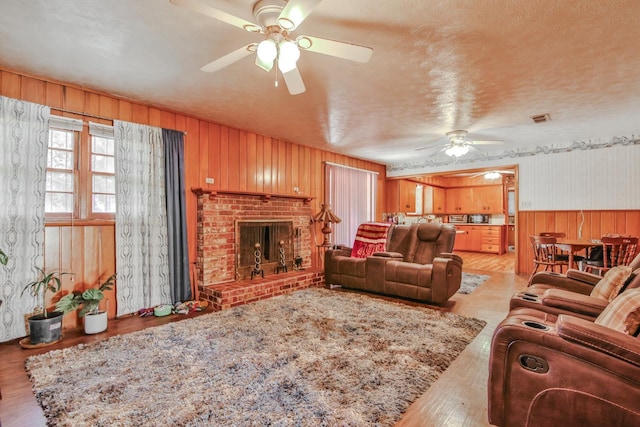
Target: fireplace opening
x=269, y=235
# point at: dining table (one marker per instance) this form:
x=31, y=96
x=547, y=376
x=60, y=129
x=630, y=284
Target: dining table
x=574, y=246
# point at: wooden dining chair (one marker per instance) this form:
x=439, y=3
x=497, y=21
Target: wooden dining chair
x=545, y=253
x=563, y=255
x=615, y=251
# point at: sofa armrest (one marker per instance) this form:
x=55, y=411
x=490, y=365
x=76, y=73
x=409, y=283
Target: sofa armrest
x=448, y=255
x=395, y=255
x=563, y=282
x=573, y=302
x=342, y=251
x=445, y=277
x=583, y=276
x=600, y=338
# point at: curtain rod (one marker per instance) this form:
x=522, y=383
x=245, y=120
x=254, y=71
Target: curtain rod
x=350, y=167
x=93, y=116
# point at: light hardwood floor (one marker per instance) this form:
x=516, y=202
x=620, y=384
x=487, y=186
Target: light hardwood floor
x=458, y=398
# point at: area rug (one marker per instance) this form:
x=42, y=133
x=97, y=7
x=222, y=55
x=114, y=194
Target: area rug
x=470, y=282
x=315, y=357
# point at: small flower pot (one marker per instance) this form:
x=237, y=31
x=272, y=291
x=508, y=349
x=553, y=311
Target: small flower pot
x=95, y=323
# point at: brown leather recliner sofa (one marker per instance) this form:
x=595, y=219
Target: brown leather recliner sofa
x=571, y=293
x=418, y=264
x=548, y=370
x=564, y=357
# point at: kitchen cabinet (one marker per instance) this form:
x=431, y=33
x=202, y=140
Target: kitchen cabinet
x=459, y=200
x=486, y=199
x=433, y=200
x=400, y=196
x=407, y=196
x=439, y=199
x=468, y=238
x=480, y=238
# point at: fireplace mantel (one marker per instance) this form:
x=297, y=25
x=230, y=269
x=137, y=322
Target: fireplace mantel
x=265, y=196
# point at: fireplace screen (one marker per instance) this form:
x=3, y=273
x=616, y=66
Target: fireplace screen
x=268, y=234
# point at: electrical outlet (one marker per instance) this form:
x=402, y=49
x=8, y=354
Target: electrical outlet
x=209, y=180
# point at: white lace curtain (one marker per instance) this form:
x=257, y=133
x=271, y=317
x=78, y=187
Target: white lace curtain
x=24, y=131
x=351, y=193
x=141, y=218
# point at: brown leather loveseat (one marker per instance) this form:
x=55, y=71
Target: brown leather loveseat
x=417, y=264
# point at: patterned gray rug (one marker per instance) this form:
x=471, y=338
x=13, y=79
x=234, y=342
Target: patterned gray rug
x=470, y=282
x=312, y=358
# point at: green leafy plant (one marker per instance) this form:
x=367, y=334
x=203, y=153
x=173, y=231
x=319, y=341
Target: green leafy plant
x=46, y=282
x=88, y=300
x=4, y=259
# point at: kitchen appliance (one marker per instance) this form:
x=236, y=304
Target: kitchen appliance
x=478, y=219
x=458, y=219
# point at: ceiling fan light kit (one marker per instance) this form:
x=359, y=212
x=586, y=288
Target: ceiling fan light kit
x=275, y=19
x=458, y=144
x=457, y=149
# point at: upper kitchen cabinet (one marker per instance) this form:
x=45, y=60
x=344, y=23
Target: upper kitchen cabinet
x=401, y=196
x=433, y=200
x=459, y=200
x=487, y=199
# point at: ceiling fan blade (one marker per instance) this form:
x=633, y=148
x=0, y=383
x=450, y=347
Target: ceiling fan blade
x=265, y=65
x=228, y=59
x=352, y=52
x=207, y=10
x=438, y=151
x=487, y=142
x=294, y=82
x=295, y=12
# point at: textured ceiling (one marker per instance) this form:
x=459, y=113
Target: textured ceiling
x=483, y=65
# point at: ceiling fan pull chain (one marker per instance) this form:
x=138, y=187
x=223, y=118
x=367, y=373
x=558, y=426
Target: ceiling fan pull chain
x=276, y=76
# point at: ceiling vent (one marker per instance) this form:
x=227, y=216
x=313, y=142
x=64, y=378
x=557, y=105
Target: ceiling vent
x=541, y=118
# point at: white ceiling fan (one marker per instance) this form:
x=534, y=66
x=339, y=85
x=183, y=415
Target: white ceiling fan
x=493, y=174
x=458, y=144
x=276, y=20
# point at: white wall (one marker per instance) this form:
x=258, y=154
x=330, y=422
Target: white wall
x=607, y=178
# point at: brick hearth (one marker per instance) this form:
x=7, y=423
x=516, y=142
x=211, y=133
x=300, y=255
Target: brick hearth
x=227, y=295
x=217, y=274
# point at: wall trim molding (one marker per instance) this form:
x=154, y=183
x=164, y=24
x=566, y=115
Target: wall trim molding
x=514, y=154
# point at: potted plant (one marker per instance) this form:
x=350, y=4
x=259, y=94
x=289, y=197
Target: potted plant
x=95, y=320
x=45, y=327
x=3, y=258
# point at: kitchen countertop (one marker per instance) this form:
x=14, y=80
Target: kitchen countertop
x=466, y=224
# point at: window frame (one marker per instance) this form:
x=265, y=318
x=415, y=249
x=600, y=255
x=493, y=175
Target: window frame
x=83, y=174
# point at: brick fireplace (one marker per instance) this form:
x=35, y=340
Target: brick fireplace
x=222, y=279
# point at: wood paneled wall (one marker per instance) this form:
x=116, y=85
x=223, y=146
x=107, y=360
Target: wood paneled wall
x=596, y=224
x=237, y=160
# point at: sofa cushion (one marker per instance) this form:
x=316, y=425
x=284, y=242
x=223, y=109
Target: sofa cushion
x=621, y=313
x=609, y=286
x=408, y=273
x=371, y=237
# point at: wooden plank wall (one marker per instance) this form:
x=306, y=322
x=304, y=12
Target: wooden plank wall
x=237, y=160
x=596, y=224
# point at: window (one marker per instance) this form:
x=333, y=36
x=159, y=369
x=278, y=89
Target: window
x=80, y=170
x=103, y=180
x=60, y=171
x=351, y=193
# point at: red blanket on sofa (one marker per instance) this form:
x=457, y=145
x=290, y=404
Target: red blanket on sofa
x=371, y=237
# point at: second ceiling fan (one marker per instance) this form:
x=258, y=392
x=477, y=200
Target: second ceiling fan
x=458, y=144
x=276, y=20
